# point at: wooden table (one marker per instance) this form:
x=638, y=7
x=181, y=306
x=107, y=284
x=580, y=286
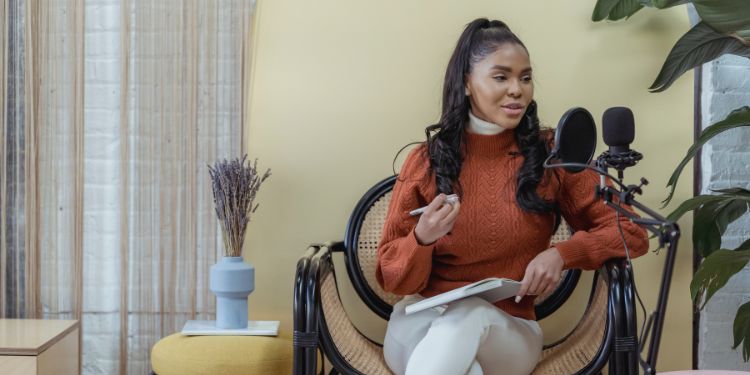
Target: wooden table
x=39, y=347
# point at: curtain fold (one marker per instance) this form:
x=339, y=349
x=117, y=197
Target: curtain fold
x=54, y=150
x=4, y=34
x=13, y=278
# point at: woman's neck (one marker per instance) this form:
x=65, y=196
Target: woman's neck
x=479, y=126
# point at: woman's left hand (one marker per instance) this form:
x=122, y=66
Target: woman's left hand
x=542, y=273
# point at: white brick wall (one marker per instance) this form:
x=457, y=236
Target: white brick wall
x=101, y=321
x=725, y=163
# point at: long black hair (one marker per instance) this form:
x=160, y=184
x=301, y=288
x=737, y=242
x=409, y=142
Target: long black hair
x=445, y=140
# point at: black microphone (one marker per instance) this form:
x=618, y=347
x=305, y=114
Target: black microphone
x=618, y=128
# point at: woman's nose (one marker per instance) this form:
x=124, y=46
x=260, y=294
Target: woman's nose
x=514, y=89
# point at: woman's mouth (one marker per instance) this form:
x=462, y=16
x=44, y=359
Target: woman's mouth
x=513, y=110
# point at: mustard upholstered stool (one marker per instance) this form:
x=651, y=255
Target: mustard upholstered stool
x=221, y=355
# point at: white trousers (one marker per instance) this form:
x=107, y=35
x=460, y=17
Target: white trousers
x=470, y=337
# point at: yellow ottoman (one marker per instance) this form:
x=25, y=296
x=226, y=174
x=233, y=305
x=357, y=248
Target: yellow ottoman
x=221, y=355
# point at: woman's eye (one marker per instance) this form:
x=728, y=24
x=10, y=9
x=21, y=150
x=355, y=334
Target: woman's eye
x=499, y=78
x=526, y=79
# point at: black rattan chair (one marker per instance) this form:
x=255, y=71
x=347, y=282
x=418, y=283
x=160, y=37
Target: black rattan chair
x=601, y=336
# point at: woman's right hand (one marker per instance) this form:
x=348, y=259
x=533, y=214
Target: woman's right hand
x=437, y=220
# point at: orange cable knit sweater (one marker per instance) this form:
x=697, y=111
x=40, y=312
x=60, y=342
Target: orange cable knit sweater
x=492, y=236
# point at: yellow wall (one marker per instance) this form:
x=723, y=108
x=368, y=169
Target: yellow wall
x=339, y=86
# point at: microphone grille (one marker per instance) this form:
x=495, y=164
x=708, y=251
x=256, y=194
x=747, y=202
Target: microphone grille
x=618, y=126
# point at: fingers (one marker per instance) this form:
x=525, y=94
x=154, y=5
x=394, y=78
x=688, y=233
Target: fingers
x=524, y=286
x=453, y=214
x=432, y=224
x=542, y=274
x=537, y=281
x=443, y=211
x=547, y=283
x=435, y=204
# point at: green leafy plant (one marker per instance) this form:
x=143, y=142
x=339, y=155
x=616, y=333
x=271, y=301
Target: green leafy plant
x=724, y=29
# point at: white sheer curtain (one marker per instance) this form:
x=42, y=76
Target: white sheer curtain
x=119, y=228
x=185, y=100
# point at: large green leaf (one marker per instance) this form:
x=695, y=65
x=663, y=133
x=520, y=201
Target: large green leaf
x=692, y=204
x=742, y=330
x=730, y=212
x=615, y=9
x=624, y=9
x=739, y=117
x=713, y=213
x=711, y=221
x=706, y=235
x=725, y=16
x=699, y=45
x=716, y=270
x=602, y=9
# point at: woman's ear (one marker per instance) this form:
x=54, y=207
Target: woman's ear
x=467, y=89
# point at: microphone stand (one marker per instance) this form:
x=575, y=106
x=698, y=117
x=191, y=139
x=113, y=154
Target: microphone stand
x=668, y=233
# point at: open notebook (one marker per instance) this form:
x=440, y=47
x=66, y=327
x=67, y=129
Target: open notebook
x=491, y=290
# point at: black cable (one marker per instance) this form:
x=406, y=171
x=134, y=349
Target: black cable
x=581, y=165
x=393, y=165
x=546, y=164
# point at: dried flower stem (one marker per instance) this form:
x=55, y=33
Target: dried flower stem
x=235, y=186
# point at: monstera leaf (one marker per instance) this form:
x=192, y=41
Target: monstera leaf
x=716, y=270
x=739, y=117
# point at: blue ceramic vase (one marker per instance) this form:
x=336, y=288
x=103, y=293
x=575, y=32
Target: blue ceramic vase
x=231, y=280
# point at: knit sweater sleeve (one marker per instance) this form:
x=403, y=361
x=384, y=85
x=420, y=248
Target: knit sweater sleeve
x=404, y=266
x=597, y=237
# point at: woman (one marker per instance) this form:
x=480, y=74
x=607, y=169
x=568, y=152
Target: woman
x=488, y=149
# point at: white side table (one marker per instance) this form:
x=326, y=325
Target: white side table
x=39, y=347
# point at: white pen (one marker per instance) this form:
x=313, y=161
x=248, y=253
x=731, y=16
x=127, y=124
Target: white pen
x=453, y=198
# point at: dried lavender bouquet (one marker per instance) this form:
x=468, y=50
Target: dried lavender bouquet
x=235, y=186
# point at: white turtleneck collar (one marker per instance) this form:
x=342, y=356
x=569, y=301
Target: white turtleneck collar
x=479, y=126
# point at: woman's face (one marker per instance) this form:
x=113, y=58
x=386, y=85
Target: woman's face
x=500, y=87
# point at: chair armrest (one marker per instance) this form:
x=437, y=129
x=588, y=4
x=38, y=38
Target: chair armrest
x=304, y=337
x=349, y=351
x=312, y=268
